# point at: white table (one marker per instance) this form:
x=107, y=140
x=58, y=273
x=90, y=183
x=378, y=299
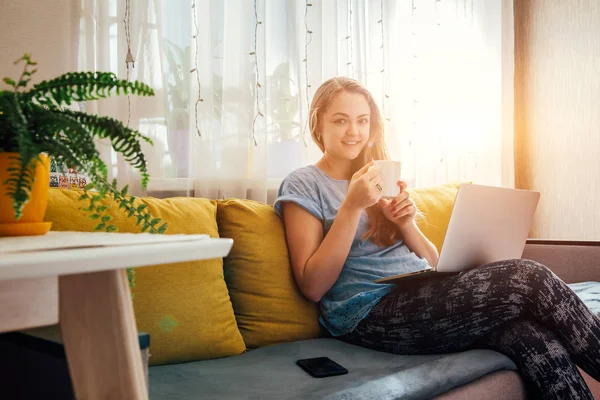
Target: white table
x=86, y=290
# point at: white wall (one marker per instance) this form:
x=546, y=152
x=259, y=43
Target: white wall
x=47, y=29
x=557, y=114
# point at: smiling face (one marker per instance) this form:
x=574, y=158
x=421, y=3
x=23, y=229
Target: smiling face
x=345, y=126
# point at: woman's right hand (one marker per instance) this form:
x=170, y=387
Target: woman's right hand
x=365, y=188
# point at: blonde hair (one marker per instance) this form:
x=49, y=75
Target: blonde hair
x=382, y=231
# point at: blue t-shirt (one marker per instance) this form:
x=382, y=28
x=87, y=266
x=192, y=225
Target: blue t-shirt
x=354, y=293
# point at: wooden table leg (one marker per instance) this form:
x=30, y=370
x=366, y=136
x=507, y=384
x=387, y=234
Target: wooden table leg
x=100, y=336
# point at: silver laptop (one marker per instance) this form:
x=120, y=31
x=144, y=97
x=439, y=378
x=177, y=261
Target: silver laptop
x=487, y=224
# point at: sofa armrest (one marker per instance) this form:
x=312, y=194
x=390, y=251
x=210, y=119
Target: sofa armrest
x=572, y=261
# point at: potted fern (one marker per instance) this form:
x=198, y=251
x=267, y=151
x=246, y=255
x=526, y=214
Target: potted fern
x=35, y=125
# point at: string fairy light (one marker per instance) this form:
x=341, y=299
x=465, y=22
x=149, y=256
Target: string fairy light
x=414, y=37
x=413, y=34
x=307, y=40
x=195, y=69
x=350, y=43
x=438, y=25
x=256, y=73
x=129, y=57
x=385, y=95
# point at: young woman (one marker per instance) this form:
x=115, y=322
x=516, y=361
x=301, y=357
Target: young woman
x=342, y=236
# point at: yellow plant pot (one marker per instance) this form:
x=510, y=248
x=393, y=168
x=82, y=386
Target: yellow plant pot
x=32, y=220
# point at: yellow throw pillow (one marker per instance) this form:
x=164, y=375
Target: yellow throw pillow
x=185, y=307
x=435, y=204
x=268, y=305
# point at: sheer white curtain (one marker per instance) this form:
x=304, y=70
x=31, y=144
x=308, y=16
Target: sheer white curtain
x=234, y=79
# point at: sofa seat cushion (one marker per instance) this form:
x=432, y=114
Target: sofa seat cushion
x=271, y=373
x=185, y=307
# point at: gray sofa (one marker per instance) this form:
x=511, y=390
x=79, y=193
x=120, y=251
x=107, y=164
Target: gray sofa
x=270, y=372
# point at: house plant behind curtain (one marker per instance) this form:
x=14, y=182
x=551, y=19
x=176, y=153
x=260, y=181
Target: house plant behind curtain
x=234, y=79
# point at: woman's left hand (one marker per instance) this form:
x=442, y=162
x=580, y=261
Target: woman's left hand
x=402, y=209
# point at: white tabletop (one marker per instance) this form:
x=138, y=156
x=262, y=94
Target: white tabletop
x=90, y=255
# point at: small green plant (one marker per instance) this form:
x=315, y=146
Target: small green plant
x=177, y=82
x=35, y=120
x=285, y=108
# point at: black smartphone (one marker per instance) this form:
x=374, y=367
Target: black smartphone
x=321, y=367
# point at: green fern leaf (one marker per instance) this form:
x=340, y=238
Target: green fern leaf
x=124, y=140
x=83, y=86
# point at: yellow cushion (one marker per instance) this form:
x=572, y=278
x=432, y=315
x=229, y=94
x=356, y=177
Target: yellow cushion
x=435, y=203
x=185, y=306
x=268, y=305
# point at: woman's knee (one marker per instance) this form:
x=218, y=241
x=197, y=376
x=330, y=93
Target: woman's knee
x=533, y=270
x=521, y=279
x=522, y=270
x=533, y=265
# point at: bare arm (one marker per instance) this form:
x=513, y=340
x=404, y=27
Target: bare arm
x=317, y=262
x=401, y=211
x=418, y=243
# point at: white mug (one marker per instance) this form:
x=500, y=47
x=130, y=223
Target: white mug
x=390, y=175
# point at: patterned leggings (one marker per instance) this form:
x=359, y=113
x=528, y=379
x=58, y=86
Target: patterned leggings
x=516, y=307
